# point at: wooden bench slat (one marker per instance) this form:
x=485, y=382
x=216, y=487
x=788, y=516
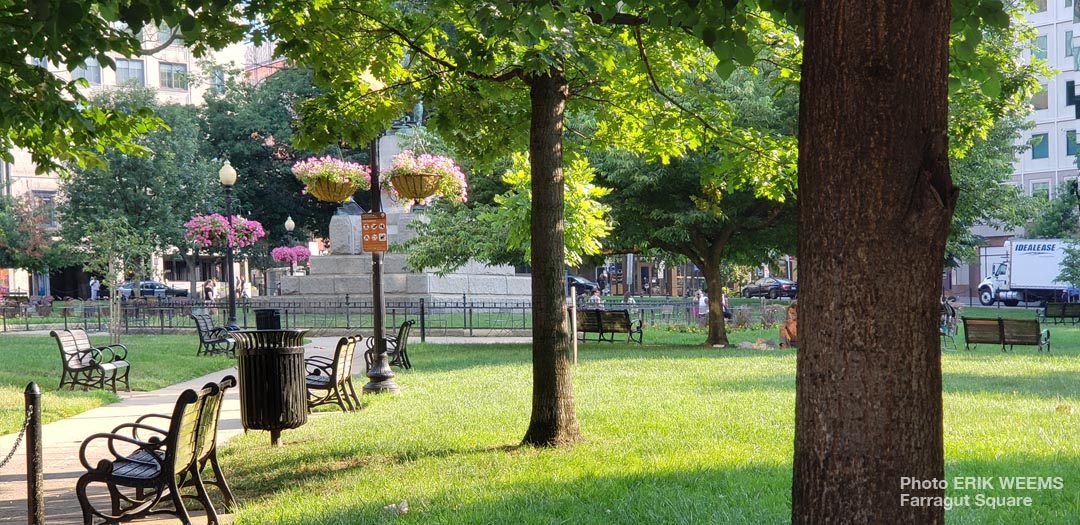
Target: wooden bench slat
x=606, y=323
x=1005, y=331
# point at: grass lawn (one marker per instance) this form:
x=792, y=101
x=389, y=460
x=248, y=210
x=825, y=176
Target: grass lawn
x=156, y=361
x=673, y=433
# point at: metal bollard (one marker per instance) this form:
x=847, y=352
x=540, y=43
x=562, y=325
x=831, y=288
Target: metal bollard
x=35, y=500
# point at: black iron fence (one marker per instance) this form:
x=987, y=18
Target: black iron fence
x=463, y=317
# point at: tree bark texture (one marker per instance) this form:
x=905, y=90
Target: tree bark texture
x=875, y=200
x=553, y=421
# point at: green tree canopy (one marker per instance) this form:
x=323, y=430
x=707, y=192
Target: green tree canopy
x=156, y=193
x=52, y=117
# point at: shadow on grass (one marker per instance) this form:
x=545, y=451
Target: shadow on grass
x=1047, y=384
x=748, y=494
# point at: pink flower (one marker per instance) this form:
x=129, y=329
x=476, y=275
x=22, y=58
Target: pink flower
x=292, y=254
x=452, y=183
x=215, y=230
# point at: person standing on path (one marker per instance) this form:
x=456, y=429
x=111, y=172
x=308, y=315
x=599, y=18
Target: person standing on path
x=95, y=286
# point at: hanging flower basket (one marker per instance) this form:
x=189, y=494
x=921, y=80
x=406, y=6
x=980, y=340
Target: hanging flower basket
x=291, y=254
x=215, y=230
x=416, y=178
x=331, y=191
x=332, y=180
x=415, y=185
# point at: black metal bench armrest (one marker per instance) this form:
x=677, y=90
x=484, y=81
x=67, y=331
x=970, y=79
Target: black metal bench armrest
x=149, y=447
x=1044, y=336
x=140, y=424
x=318, y=365
x=119, y=352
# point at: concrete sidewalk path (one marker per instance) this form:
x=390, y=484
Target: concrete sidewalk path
x=62, y=439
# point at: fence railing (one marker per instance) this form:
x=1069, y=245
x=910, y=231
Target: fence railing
x=463, y=317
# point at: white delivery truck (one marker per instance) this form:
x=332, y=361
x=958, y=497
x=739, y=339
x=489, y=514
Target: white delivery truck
x=1029, y=273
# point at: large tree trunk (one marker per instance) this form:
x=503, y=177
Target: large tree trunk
x=875, y=202
x=553, y=421
x=714, y=283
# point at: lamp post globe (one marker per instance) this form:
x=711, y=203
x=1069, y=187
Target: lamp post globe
x=227, y=177
x=289, y=226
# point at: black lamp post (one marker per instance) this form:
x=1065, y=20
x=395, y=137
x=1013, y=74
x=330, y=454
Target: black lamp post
x=380, y=375
x=289, y=226
x=227, y=177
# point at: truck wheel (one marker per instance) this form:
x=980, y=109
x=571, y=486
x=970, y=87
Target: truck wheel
x=986, y=298
x=1011, y=302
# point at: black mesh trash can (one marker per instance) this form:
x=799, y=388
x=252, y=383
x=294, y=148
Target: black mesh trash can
x=273, y=395
x=268, y=319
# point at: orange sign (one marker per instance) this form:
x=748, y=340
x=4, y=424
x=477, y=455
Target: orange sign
x=373, y=231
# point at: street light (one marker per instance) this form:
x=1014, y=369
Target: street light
x=227, y=177
x=289, y=226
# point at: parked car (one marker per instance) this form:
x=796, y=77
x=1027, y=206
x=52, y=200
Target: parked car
x=582, y=284
x=771, y=287
x=152, y=289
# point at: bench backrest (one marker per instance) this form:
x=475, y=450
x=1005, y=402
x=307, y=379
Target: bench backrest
x=403, y=333
x=343, y=358
x=615, y=320
x=1055, y=309
x=181, y=443
x=208, y=417
x=69, y=350
x=977, y=330
x=204, y=324
x=1020, y=331
x=82, y=341
x=588, y=320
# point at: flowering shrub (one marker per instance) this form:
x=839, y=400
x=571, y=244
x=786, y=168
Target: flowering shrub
x=214, y=230
x=291, y=254
x=314, y=169
x=451, y=185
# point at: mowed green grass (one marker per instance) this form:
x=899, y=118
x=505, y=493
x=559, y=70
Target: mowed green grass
x=156, y=361
x=672, y=433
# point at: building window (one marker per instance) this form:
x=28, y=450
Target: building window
x=1068, y=3
x=46, y=200
x=1041, y=98
x=217, y=79
x=173, y=76
x=1040, y=147
x=1040, y=47
x=164, y=33
x=1040, y=6
x=90, y=70
x=130, y=72
x=1068, y=43
x=1041, y=190
x=1070, y=143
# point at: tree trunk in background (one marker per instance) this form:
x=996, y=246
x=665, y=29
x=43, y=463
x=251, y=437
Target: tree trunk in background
x=875, y=200
x=714, y=283
x=553, y=421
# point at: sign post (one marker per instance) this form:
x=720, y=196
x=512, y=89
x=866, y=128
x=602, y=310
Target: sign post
x=373, y=232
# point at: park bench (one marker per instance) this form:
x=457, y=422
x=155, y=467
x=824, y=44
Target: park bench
x=212, y=339
x=145, y=475
x=606, y=323
x=1060, y=312
x=207, y=449
x=397, y=347
x=90, y=366
x=330, y=380
x=1003, y=331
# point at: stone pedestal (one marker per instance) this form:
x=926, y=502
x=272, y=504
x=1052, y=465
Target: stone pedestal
x=345, y=235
